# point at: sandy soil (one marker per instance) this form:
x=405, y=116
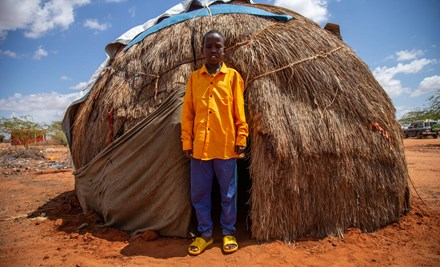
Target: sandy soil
x=41, y=224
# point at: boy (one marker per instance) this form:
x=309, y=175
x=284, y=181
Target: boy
x=214, y=132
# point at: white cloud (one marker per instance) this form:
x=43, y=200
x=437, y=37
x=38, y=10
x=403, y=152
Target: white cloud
x=16, y=14
x=8, y=53
x=428, y=84
x=95, y=25
x=40, y=53
x=386, y=75
x=37, y=17
x=3, y=34
x=315, y=10
x=132, y=11
x=79, y=86
x=405, y=55
x=402, y=111
x=36, y=105
x=115, y=1
x=65, y=78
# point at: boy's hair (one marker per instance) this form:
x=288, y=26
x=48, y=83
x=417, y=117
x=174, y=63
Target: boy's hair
x=212, y=32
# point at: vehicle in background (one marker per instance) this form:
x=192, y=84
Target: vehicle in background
x=436, y=127
x=404, y=126
x=421, y=129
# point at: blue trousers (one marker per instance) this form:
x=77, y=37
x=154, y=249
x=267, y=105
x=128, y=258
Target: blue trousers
x=202, y=177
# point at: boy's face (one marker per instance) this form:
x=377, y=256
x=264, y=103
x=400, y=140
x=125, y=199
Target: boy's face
x=213, y=49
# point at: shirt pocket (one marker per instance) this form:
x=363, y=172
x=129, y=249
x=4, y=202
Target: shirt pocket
x=224, y=108
x=200, y=105
x=223, y=89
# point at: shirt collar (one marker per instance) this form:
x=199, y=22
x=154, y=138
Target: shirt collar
x=223, y=68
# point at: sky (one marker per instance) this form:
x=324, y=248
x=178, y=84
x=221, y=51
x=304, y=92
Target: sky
x=49, y=49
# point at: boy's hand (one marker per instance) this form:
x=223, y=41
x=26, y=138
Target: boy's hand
x=188, y=153
x=239, y=150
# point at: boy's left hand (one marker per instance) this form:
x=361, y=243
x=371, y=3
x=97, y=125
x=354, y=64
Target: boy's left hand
x=239, y=149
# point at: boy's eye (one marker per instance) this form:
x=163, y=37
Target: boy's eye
x=211, y=46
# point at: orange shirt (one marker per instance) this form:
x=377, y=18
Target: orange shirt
x=213, y=119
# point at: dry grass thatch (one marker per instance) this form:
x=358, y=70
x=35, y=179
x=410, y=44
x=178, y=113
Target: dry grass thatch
x=326, y=149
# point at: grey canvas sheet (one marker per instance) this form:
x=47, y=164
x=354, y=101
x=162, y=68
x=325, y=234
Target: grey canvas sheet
x=141, y=181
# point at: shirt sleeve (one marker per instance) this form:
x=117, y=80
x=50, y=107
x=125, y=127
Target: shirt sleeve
x=187, y=121
x=239, y=116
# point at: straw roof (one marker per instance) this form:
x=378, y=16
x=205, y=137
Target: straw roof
x=326, y=150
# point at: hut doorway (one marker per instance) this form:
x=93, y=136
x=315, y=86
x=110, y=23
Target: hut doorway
x=243, y=197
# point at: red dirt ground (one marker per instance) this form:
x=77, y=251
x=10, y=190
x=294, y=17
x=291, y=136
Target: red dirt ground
x=41, y=224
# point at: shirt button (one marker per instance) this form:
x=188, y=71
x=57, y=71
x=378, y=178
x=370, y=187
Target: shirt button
x=210, y=95
x=210, y=112
x=211, y=82
x=208, y=129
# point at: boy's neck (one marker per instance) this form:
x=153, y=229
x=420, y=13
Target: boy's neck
x=213, y=69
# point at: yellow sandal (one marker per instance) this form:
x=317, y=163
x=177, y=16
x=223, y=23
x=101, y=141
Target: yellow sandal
x=199, y=243
x=227, y=241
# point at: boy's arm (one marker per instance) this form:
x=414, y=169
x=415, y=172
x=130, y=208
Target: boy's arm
x=239, y=116
x=187, y=121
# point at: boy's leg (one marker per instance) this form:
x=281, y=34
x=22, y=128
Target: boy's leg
x=225, y=173
x=202, y=175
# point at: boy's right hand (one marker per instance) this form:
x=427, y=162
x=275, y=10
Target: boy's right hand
x=188, y=153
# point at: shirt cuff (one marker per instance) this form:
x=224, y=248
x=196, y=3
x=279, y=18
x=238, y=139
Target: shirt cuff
x=187, y=145
x=241, y=141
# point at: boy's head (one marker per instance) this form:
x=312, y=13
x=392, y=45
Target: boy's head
x=213, y=45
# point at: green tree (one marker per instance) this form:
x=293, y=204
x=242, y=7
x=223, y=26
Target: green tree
x=434, y=107
x=22, y=128
x=56, y=133
x=432, y=112
x=415, y=115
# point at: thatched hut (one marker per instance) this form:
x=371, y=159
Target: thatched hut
x=325, y=150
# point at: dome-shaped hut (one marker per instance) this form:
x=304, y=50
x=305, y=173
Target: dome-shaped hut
x=325, y=150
